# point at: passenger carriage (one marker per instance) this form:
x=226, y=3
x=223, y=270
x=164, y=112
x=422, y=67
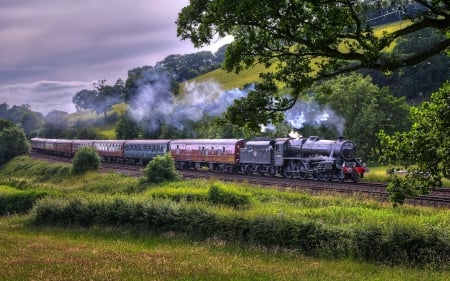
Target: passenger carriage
x=77, y=144
x=110, y=150
x=143, y=151
x=214, y=154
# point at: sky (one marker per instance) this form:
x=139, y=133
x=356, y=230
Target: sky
x=51, y=49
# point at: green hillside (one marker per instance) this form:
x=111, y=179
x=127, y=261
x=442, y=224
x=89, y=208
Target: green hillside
x=231, y=80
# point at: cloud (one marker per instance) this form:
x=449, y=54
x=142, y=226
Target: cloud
x=53, y=40
x=43, y=96
x=78, y=40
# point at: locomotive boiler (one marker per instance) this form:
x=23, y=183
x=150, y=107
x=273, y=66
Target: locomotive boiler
x=317, y=158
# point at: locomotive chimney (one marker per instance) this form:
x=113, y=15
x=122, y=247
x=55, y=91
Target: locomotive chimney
x=341, y=138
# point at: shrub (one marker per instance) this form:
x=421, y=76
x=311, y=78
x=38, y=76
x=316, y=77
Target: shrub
x=218, y=195
x=14, y=201
x=161, y=169
x=85, y=159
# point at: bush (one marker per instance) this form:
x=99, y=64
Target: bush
x=161, y=169
x=85, y=159
x=14, y=201
x=218, y=195
x=388, y=245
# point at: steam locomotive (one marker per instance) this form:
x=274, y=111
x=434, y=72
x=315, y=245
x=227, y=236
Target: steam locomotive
x=302, y=158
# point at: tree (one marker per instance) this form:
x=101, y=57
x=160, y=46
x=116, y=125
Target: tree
x=126, y=127
x=366, y=108
x=143, y=77
x=106, y=96
x=55, y=124
x=13, y=141
x=85, y=159
x=417, y=82
x=304, y=41
x=31, y=122
x=186, y=67
x=101, y=98
x=424, y=151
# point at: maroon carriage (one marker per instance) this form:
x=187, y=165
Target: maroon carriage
x=215, y=154
x=110, y=150
x=77, y=144
x=61, y=147
x=38, y=145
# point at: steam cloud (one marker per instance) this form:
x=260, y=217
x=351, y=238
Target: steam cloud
x=157, y=105
x=312, y=113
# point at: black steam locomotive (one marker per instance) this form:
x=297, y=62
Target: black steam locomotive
x=303, y=158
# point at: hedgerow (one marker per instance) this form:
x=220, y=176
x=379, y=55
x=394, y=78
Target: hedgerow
x=391, y=245
x=13, y=201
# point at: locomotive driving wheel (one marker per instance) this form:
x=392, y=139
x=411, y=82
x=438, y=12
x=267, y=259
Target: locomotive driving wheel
x=302, y=173
x=290, y=170
x=355, y=177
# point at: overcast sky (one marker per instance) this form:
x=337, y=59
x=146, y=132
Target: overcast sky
x=51, y=49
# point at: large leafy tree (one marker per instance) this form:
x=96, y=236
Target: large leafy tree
x=304, y=41
x=424, y=151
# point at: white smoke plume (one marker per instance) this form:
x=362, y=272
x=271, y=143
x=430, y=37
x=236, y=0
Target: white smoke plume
x=312, y=113
x=267, y=128
x=157, y=105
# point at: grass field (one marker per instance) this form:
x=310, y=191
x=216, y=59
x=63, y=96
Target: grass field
x=30, y=251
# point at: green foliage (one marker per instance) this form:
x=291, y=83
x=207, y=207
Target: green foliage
x=85, y=159
x=13, y=201
x=161, y=169
x=366, y=109
x=13, y=141
x=106, y=183
x=101, y=99
x=126, y=128
x=304, y=42
x=316, y=231
x=31, y=122
x=26, y=170
x=424, y=149
x=217, y=194
x=186, y=67
x=418, y=82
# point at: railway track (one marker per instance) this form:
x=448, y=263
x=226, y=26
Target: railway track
x=439, y=197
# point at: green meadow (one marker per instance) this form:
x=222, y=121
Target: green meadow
x=56, y=226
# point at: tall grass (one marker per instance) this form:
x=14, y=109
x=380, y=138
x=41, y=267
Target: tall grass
x=30, y=253
x=36, y=170
x=324, y=226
